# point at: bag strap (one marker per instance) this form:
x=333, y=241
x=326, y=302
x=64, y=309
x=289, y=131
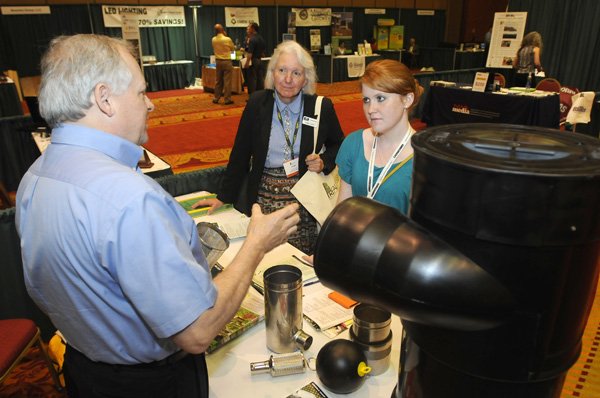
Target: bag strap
x=318, y=114
x=395, y=169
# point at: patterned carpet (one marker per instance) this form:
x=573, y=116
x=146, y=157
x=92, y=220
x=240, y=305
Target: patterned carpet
x=583, y=379
x=30, y=379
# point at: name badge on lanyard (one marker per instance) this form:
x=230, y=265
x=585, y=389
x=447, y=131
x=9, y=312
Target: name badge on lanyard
x=309, y=121
x=291, y=167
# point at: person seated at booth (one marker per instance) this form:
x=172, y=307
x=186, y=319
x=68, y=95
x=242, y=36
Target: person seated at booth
x=341, y=49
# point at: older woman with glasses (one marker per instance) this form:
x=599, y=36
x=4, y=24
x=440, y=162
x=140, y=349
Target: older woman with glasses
x=274, y=143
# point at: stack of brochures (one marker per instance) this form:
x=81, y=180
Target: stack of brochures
x=201, y=211
x=251, y=312
x=321, y=311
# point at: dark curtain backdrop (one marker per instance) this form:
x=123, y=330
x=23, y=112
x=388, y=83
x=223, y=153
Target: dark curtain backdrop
x=26, y=37
x=23, y=38
x=571, y=37
x=428, y=30
x=166, y=44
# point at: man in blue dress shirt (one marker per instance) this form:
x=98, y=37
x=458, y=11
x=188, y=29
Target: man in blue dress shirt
x=110, y=256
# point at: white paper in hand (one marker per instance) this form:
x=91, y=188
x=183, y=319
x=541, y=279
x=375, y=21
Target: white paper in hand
x=318, y=193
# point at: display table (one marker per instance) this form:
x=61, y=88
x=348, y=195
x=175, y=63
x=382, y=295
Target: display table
x=469, y=59
x=340, y=66
x=324, y=66
x=159, y=168
x=170, y=75
x=438, y=58
x=209, y=79
x=10, y=105
x=229, y=366
x=396, y=55
x=445, y=105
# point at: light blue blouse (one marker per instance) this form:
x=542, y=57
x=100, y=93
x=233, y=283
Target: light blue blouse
x=277, y=142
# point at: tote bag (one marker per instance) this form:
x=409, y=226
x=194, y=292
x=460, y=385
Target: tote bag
x=318, y=192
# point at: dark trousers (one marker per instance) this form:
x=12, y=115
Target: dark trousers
x=255, y=76
x=184, y=378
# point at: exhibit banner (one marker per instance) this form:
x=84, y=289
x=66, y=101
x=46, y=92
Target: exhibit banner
x=507, y=34
x=385, y=22
x=131, y=32
x=341, y=24
x=312, y=16
x=315, y=39
x=291, y=22
x=396, y=37
x=383, y=37
x=376, y=11
x=147, y=17
x=240, y=17
x=25, y=10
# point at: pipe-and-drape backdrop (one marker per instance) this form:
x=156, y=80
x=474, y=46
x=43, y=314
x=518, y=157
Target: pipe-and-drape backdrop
x=571, y=38
x=569, y=28
x=23, y=38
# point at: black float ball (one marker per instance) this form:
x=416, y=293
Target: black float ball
x=341, y=366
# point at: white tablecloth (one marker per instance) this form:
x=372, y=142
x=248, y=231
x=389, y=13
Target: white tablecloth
x=229, y=366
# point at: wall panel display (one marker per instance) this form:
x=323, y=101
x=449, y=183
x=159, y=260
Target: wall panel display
x=240, y=17
x=312, y=16
x=148, y=17
x=507, y=34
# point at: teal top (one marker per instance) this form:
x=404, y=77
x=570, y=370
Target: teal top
x=354, y=168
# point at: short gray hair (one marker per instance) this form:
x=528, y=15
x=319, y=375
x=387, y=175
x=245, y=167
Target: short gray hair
x=304, y=58
x=72, y=67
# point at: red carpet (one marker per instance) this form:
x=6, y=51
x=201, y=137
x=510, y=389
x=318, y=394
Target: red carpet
x=189, y=132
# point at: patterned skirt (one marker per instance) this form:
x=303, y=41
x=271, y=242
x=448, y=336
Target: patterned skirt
x=274, y=194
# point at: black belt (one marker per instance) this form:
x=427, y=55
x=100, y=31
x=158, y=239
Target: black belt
x=171, y=359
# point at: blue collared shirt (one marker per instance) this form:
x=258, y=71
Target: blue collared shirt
x=110, y=256
x=277, y=142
